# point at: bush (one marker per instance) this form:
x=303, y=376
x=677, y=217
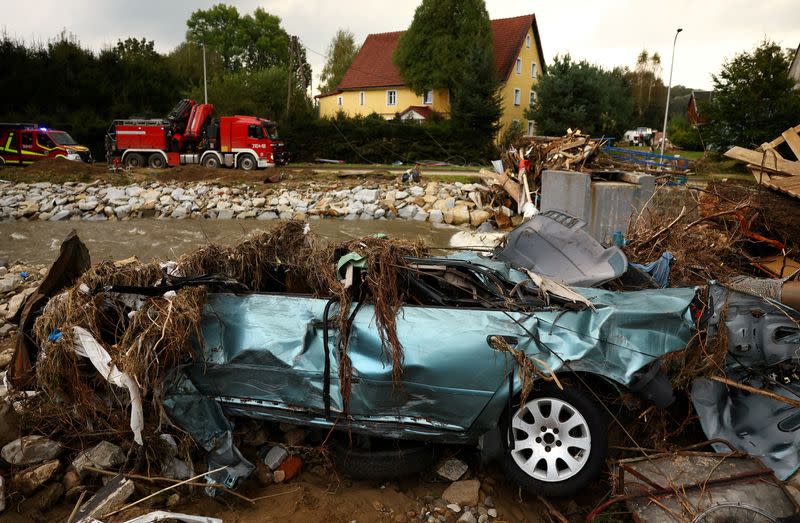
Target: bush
x=371, y=139
x=684, y=135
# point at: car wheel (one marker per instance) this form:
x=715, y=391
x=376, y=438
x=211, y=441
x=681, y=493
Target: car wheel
x=247, y=162
x=557, y=443
x=156, y=161
x=210, y=161
x=385, y=459
x=134, y=160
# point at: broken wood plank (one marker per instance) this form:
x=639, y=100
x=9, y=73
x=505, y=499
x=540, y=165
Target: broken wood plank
x=793, y=141
x=764, y=158
x=512, y=187
x=780, y=139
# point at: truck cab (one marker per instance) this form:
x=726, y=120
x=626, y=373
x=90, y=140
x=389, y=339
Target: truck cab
x=25, y=143
x=250, y=138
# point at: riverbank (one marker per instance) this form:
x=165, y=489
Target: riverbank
x=453, y=203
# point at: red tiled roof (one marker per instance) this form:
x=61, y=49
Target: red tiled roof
x=422, y=110
x=373, y=66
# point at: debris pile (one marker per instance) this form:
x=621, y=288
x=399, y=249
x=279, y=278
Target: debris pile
x=727, y=230
x=523, y=165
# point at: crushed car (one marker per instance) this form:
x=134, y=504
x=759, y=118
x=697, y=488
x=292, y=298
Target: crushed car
x=375, y=337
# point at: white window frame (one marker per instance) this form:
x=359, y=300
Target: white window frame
x=427, y=97
x=519, y=65
x=391, y=97
x=517, y=96
x=361, y=97
x=530, y=127
x=528, y=41
x=533, y=69
x=532, y=100
x=339, y=101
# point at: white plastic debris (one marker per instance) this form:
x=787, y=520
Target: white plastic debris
x=162, y=515
x=170, y=295
x=87, y=346
x=171, y=268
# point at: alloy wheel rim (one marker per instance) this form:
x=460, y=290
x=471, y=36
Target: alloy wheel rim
x=551, y=439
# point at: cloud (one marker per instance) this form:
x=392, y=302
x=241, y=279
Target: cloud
x=607, y=33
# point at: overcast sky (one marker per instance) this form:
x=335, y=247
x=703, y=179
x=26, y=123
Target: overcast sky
x=607, y=32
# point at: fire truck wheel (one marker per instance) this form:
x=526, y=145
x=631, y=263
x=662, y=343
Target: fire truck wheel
x=211, y=161
x=156, y=161
x=247, y=162
x=134, y=160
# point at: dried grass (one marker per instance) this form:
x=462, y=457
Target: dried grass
x=150, y=339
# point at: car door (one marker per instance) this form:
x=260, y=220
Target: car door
x=265, y=351
x=449, y=370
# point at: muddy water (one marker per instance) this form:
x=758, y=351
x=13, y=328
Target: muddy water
x=38, y=242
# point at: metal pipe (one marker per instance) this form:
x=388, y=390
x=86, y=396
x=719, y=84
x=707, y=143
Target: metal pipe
x=669, y=90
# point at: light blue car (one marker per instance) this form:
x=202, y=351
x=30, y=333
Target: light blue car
x=267, y=356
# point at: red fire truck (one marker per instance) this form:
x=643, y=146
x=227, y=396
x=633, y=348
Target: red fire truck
x=192, y=135
x=24, y=143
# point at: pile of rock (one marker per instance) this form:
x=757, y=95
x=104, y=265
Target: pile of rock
x=438, y=202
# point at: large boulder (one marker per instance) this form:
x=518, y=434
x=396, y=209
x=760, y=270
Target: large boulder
x=464, y=493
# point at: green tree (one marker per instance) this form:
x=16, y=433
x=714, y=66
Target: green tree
x=441, y=40
x=186, y=62
x=580, y=95
x=449, y=46
x=475, y=102
x=754, y=98
x=263, y=41
x=341, y=52
x=218, y=27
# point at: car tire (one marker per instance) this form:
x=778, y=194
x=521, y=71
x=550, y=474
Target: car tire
x=393, y=459
x=156, y=161
x=210, y=161
x=134, y=160
x=247, y=162
x=560, y=441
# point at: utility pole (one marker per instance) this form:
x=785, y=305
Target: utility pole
x=205, y=81
x=292, y=48
x=669, y=90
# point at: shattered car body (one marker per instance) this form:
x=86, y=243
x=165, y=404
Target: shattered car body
x=267, y=356
x=762, y=338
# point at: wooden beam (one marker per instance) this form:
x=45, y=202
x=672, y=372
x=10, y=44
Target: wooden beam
x=764, y=158
x=793, y=140
x=780, y=139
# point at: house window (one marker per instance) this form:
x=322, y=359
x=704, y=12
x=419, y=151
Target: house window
x=533, y=99
x=339, y=101
x=533, y=69
x=528, y=41
x=391, y=97
x=516, y=96
x=530, y=128
x=361, y=98
x=427, y=98
x=519, y=65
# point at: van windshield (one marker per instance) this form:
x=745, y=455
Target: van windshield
x=62, y=138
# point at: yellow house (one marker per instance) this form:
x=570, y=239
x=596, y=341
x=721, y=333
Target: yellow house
x=373, y=83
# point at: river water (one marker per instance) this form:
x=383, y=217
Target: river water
x=37, y=242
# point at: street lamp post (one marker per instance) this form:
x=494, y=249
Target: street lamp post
x=205, y=81
x=669, y=90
